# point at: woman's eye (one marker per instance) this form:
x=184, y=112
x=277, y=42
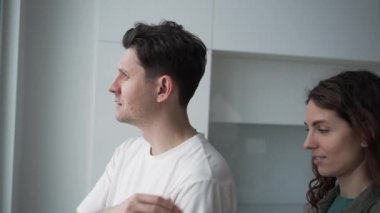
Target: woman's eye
x=323, y=130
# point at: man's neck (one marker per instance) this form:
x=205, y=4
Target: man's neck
x=167, y=132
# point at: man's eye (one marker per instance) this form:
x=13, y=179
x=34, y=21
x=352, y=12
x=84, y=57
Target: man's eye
x=124, y=75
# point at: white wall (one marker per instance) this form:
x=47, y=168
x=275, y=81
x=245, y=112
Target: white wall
x=54, y=129
x=118, y=15
x=66, y=131
x=10, y=23
x=61, y=126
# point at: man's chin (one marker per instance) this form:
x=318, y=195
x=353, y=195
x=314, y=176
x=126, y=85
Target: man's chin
x=119, y=118
x=122, y=119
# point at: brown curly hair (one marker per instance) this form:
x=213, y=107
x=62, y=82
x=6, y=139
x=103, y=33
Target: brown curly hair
x=355, y=97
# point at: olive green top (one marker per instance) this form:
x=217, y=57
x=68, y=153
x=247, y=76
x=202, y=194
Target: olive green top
x=339, y=204
x=367, y=202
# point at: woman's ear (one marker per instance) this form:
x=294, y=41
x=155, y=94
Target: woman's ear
x=164, y=88
x=364, y=144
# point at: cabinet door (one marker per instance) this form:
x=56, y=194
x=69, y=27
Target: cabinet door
x=336, y=29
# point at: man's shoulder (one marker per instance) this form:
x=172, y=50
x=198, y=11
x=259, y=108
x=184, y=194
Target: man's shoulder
x=205, y=162
x=132, y=141
x=131, y=144
x=218, y=165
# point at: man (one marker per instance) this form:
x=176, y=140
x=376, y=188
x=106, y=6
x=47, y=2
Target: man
x=172, y=167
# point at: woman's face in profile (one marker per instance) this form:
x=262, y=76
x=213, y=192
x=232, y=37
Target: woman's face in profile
x=336, y=149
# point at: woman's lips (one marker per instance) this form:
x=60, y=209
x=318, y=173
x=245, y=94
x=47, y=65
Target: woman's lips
x=318, y=159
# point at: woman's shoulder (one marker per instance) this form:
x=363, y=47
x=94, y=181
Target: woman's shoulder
x=374, y=207
x=375, y=204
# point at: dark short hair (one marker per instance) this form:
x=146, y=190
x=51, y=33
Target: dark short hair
x=355, y=97
x=168, y=49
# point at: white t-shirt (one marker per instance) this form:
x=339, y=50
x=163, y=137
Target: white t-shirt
x=193, y=175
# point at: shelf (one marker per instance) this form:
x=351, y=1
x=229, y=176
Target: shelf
x=271, y=208
x=268, y=89
x=255, y=124
x=296, y=58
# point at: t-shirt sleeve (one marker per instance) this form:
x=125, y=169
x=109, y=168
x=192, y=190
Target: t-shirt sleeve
x=96, y=200
x=207, y=196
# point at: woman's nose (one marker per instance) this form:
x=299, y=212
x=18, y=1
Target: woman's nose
x=309, y=142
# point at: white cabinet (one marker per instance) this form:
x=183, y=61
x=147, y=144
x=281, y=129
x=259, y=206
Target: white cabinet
x=256, y=122
x=266, y=55
x=329, y=29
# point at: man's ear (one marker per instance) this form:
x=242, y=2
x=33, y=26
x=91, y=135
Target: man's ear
x=165, y=86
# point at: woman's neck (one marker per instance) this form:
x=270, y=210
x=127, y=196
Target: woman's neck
x=353, y=184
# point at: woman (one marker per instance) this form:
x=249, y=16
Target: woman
x=343, y=134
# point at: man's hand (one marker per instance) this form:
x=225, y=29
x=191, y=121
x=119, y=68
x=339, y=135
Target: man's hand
x=144, y=203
